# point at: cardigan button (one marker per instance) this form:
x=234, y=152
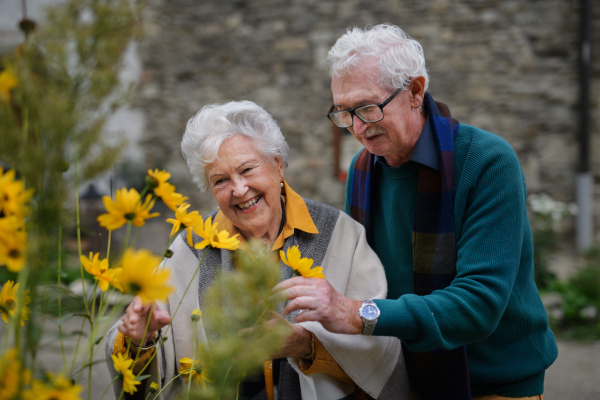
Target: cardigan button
x=270, y=365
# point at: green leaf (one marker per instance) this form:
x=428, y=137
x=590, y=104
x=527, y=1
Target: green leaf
x=89, y=364
x=98, y=340
x=64, y=319
x=141, y=377
x=84, y=315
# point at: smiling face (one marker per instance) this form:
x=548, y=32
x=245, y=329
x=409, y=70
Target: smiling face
x=395, y=136
x=246, y=185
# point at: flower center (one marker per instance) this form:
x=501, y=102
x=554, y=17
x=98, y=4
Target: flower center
x=134, y=288
x=129, y=216
x=152, y=182
x=10, y=304
x=14, y=254
x=198, y=368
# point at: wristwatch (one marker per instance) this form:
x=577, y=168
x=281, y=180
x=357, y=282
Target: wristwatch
x=369, y=313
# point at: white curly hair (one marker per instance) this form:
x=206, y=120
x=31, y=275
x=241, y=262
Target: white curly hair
x=399, y=56
x=210, y=127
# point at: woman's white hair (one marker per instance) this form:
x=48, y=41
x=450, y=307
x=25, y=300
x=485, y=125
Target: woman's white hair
x=400, y=57
x=210, y=127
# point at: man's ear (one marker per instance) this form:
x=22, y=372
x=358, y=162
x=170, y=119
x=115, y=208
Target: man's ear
x=417, y=91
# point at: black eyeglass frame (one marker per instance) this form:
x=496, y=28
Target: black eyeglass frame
x=353, y=113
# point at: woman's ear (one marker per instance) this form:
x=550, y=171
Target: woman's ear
x=280, y=168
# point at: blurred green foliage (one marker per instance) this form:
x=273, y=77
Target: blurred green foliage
x=51, y=125
x=245, y=338
x=581, y=293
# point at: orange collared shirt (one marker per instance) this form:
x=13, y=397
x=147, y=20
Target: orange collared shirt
x=297, y=216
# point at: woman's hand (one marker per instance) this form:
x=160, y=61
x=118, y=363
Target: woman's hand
x=296, y=344
x=320, y=302
x=135, y=320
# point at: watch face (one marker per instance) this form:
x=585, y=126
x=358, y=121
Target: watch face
x=370, y=312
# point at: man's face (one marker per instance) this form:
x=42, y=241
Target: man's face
x=395, y=136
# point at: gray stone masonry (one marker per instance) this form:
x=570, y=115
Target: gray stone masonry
x=510, y=67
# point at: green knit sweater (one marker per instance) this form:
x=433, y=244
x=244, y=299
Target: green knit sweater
x=493, y=305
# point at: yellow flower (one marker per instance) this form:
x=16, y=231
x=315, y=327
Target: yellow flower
x=13, y=250
x=196, y=315
x=13, y=195
x=157, y=177
x=122, y=365
x=127, y=206
x=193, y=369
x=8, y=81
x=167, y=193
x=141, y=277
x=58, y=388
x=182, y=217
x=99, y=269
x=218, y=240
x=10, y=302
x=11, y=374
x=301, y=266
x=153, y=387
x=157, y=180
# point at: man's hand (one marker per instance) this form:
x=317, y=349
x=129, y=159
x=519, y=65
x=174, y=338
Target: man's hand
x=322, y=303
x=135, y=320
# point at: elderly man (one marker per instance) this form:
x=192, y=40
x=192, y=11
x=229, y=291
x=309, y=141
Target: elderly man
x=444, y=207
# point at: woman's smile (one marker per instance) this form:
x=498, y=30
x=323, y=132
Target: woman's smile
x=249, y=205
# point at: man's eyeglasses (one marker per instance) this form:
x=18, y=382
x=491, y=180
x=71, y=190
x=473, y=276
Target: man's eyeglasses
x=369, y=113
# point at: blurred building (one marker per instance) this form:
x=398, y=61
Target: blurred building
x=510, y=67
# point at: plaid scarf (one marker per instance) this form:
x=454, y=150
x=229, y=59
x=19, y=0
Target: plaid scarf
x=442, y=374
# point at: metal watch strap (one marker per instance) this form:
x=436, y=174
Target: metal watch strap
x=369, y=326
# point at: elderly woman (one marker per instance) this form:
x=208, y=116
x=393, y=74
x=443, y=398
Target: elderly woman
x=237, y=150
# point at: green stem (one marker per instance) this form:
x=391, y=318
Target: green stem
x=168, y=383
x=22, y=279
x=187, y=396
x=126, y=241
x=144, y=335
x=77, y=348
x=87, y=311
x=92, y=340
x=176, y=309
x=137, y=232
x=62, y=345
x=224, y=381
x=108, y=387
x=108, y=246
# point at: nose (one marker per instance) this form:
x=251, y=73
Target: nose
x=239, y=187
x=358, y=126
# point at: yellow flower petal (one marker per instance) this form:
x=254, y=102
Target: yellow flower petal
x=218, y=240
x=127, y=206
x=122, y=364
x=302, y=266
x=140, y=275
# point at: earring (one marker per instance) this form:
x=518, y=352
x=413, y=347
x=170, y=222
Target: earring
x=281, y=184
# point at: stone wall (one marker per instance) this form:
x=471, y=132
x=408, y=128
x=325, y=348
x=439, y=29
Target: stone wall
x=510, y=67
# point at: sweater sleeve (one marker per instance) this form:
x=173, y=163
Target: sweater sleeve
x=490, y=229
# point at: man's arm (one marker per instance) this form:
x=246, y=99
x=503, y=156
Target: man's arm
x=488, y=259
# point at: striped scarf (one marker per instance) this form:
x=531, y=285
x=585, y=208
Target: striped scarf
x=442, y=374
